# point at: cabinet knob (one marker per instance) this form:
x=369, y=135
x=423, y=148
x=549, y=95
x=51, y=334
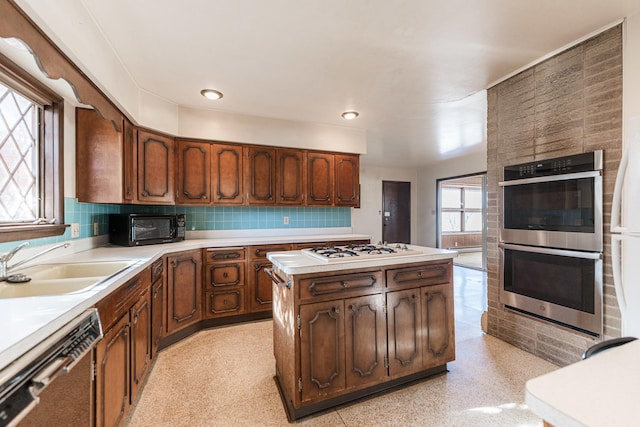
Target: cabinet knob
x=225, y=274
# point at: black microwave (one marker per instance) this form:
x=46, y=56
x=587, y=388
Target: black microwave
x=145, y=229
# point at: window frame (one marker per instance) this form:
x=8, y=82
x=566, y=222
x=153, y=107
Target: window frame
x=51, y=177
x=461, y=210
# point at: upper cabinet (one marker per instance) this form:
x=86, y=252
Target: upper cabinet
x=138, y=166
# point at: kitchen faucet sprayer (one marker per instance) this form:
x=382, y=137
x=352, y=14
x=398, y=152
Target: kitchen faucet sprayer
x=4, y=259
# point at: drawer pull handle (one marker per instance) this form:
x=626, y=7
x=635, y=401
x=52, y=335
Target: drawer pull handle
x=277, y=280
x=225, y=275
x=345, y=284
x=419, y=274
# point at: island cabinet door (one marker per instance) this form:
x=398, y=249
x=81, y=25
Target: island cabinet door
x=365, y=340
x=322, y=350
x=404, y=332
x=437, y=325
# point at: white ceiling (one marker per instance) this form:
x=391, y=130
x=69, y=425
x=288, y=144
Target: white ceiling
x=416, y=70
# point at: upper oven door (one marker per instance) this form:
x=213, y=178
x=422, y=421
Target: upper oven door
x=561, y=211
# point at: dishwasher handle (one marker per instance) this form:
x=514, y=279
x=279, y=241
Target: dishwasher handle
x=49, y=373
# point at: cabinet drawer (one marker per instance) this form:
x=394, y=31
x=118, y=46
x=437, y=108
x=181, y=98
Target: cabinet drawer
x=224, y=274
x=157, y=269
x=228, y=302
x=224, y=254
x=260, y=252
x=341, y=285
x=420, y=275
x=118, y=302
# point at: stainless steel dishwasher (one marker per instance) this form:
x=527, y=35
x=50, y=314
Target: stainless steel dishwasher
x=51, y=384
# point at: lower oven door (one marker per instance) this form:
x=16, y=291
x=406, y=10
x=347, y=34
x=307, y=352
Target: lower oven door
x=563, y=286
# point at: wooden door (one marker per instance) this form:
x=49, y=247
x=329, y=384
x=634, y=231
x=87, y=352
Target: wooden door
x=438, y=325
x=322, y=350
x=260, y=287
x=156, y=172
x=227, y=166
x=290, y=177
x=112, y=375
x=365, y=340
x=157, y=315
x=347, y=180
x=194, y=173
x=140, y=342
x=404, y=332
x=320, y=179
x=396, y=212
x=130, y=177
x=260, y=175
x=184, y=290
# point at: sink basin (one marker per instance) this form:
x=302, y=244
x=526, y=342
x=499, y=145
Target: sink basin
x=60, y=279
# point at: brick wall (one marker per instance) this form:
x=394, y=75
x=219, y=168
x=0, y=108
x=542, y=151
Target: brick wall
x=568, y=104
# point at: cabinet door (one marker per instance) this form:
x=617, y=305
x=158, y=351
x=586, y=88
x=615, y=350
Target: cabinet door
x=347, y=180
x=322, y=350
x=260, y=176
x=156, y=173
x=290, y=177
x=157, y=315
x=224, y=302
x=438, y=325
x=227, y=166
x=319, y=179
x=260, y=287
x=194, y=173
x=140, y=343
x=112, y=375
x=130, y=170
x=365, y=340
x=404, y=332
x=184, y=290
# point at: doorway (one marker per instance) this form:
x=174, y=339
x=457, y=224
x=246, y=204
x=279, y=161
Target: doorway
x=461, y=219
x=396, y=212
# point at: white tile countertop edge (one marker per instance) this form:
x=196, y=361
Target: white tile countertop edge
x=25, y=322
x=599, y=391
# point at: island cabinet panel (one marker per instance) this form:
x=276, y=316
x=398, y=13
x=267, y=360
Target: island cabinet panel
x=184, y=290
x=258, y=282
x=438, y=325
x=156, y=168
x=224, y=285
x=227, y=165
x=320, y=179
x=420, y=275
x=260, y=175
x=322, y=350
x=341, y=286
x=291, y=179
x=194, y=173
x=365, y=341
x=404, y=332
x=347, y=180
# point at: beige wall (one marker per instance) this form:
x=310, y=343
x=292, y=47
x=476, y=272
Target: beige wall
x=427, y=176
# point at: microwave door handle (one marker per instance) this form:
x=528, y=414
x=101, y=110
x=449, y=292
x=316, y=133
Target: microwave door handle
x=550, y=251
x=616, y=203
x=550, y=178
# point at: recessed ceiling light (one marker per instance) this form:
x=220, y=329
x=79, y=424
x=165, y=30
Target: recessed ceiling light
x=211, y=94
x=350, y=115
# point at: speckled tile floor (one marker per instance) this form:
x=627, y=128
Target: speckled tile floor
x=224, y=377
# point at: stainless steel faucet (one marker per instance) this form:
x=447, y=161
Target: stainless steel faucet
x=4, y=259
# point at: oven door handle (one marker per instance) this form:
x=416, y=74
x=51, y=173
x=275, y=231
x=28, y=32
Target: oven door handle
x=551, y=251
x=577, y=175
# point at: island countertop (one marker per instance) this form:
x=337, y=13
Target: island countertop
x=297, y=262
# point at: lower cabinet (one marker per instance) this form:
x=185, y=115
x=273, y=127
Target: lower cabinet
x=157, y=305
x=122, y=358
x=184, y=290
x=224, y=285
x=258, y=282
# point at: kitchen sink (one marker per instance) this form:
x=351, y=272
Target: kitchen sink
x=60, y=279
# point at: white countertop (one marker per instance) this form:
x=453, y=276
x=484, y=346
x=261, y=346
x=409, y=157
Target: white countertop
x=297, y=262
x=602, y=390
x=24, y=322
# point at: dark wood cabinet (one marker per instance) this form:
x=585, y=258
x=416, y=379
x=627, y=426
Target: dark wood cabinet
x=320, y=179
x=347, y=180
x=404, y=332
x=130, y=166
x=156, y=168
x=224, y=285
x=158, y=309
x=291, y=178
x=227, y=174
x=438, y=325
x=258, y=282
x=140, y=342
x=260, y=175
x=184, y=290
x=194, y=173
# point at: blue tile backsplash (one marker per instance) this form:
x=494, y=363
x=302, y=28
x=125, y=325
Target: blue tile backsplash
x=198, y=218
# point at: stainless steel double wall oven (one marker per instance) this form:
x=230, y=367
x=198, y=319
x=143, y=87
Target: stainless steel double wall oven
x=551, y=240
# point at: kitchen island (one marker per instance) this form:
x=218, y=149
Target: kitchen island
x=356, y=325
